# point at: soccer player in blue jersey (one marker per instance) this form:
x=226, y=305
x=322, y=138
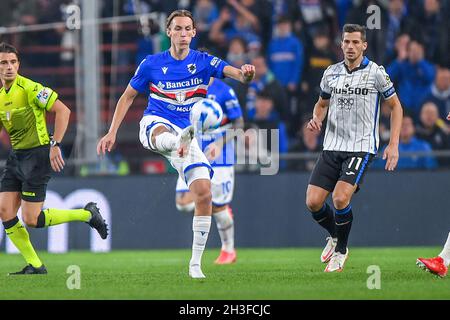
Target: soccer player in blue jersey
x=218, y=147
x=176, y=79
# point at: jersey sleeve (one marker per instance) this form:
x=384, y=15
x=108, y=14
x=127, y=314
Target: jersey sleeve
x=232, y=107
x=141, y=78
x=216, y=66
x=383, y=83
x=325, y=91
x=41, y=96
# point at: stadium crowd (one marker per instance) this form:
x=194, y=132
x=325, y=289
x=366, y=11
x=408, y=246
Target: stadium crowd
x=291, y=43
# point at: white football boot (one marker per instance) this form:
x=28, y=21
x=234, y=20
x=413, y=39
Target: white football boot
x=336, y=262
x=328, y=250
x=195, y=272
x=185, y=140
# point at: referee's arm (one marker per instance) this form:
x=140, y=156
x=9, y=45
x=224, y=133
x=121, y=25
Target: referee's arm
x=62, y=115
x=391, y=151
x=319, y=113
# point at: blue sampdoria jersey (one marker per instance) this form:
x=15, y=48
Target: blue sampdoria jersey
x=225, y=96
x=175, y=85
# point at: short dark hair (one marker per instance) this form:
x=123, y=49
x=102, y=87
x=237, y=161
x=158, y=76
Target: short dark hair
x=349, y=27
x=179, y=13
x=7, y=48
x=265, y=94
x=283, y=19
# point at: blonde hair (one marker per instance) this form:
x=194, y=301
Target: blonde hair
x=179, y=13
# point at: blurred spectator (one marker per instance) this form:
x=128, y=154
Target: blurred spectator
x=400, y=51
x=237, y=52
x=412, y=76
x=397, y=13
x=433, y=129
x=376, y=50
x=285, y=55
x=410, y=143
x=286, y=61
x=319, y=57
x=307, y=141
x=264, y=116
x=343, y=7
x=261, y=9
x=439, y=92
x=317, y=14
x=237, y=56
x=234, y=22
x=282, y=8
x=430, y=24
x=265, y=80
x=205, y=12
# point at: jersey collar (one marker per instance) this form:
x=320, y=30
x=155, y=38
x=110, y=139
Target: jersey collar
x=12, y=85
x=363, y=64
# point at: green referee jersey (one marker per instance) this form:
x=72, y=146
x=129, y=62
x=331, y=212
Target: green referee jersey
x=22, y=112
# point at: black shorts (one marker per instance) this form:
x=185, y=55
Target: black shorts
x=333, y=166
x=28, y=172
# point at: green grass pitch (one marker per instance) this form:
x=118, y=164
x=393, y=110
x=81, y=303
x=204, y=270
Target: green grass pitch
x=259, y=274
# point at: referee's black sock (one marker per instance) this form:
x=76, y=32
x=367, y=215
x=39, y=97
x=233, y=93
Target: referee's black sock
x=344, y=218
x=325, y=217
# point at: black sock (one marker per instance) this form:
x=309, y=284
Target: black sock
x=344, y=220
x=325, y=217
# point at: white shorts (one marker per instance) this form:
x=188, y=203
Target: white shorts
x=190, y=168
x=222, y=185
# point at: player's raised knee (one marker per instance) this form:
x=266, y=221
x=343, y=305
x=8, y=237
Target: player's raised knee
x=314, y=202
x=340, y=201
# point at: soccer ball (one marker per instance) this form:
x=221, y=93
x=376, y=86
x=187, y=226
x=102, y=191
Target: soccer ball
x=206, y=115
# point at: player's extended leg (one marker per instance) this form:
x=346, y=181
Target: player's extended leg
x=34, y=216
x=323, y=214
x=342, y=195
x=201, y=223
x=9, y=205
x=225, y=226
x=437, y=265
